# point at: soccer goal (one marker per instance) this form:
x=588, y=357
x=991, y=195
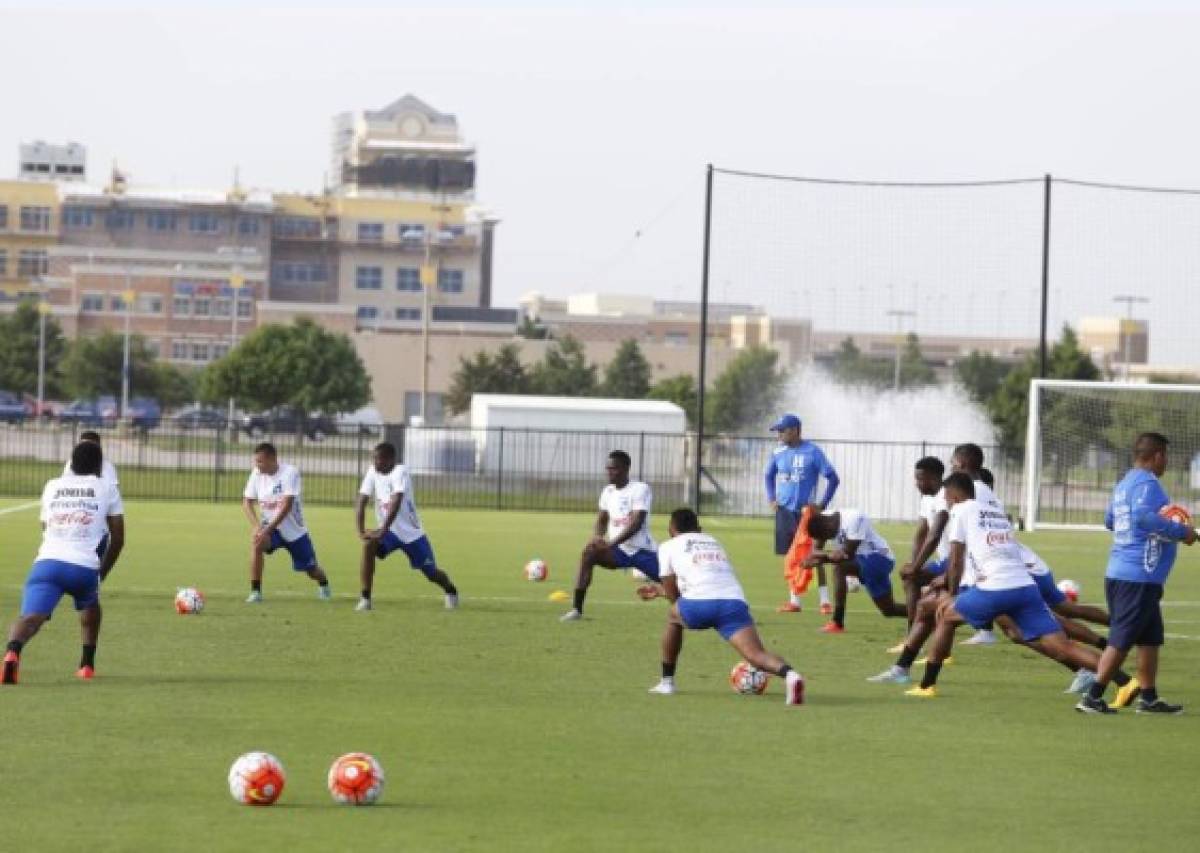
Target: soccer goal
x=1079, y=439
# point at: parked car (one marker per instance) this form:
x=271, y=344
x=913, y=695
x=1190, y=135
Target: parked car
x=97, y=412
x=285, y=420
x=144, y=413
x=12, y=408
x=199, y=417
x=47, y=408
x=366, y=421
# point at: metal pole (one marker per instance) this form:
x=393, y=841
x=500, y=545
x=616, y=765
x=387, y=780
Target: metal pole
x=899, y=315
x=1043, y=351
x=428, y=280
x=125, y=370
x=235, y=285
x=41, y=379
x=708, y=197
x=1124, y=334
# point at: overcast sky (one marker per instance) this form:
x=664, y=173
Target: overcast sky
x=594, y=123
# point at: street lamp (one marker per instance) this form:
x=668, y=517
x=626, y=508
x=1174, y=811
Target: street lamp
x=128, y=296
x=1126, y=328
x=236, y=282
x=899, y=315
x=429, y=275
x=43, y=309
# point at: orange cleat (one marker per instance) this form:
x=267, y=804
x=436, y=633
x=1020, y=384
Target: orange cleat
x=826, y=609
x=12, y=663
x=86, y=673
x=788, y=607
x=832, y=628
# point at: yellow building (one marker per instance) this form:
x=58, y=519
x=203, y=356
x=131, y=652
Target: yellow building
x=29, y=226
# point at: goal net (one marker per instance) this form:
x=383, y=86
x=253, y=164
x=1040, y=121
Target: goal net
x=1079, y=439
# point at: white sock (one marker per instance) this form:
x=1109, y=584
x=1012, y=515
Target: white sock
x=668, y=679
x=795, y=599
x=823, y=592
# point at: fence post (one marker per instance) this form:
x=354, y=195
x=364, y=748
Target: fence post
x=218, y=463
x=500, y=473
x=641, y=455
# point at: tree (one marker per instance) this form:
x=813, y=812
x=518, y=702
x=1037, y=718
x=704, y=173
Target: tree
x=484, y=373
x=532, y=330
x=301, y=365
x=93, y=367
x=915, y=372
x=19, y=351
x=627, y=376
x=747, y=392
x=680, y=390
x=851, y=367
x=981, y=374
x=564, y=371
x=175, y=385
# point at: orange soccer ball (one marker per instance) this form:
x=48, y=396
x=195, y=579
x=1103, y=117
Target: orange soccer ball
x=256, y=779
x=356, y=779
x=1177, y=513
x=748, y=680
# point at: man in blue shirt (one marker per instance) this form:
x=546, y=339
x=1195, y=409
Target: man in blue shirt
x=1142, y=554
x=793, y=472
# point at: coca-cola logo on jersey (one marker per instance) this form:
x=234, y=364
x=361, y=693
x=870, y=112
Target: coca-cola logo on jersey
x=998, y=537
x=67, y=519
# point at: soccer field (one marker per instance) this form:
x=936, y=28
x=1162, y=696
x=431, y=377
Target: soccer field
x=502, y=729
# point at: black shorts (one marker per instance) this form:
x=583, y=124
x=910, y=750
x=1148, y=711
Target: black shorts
x=1135, y=613
x=786, y=523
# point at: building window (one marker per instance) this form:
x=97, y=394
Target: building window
x=219, y=350
x=77, y=217
x=117, y=303
x=154, y=347
x=119, y=220
x=248, y=226
x=204, y=223
x=408, y=278
x=367, y=312
x=297, y=226
x=32, y=262
x=35, y=218
x=412, y=233
x=450, y=233
x=199, y=352
x=91, y=303
x=181, y=306
x=149, y=303
x=450, y=281
x=368, y=278
x=202, y=307
x=243, y=308
x=299, y=272
x=408, y=313
x=160, y=220
x=675, y=339
x=3, y=262
x=370, y=232
x=179, y=350
x=3, y=218
x=221, y=307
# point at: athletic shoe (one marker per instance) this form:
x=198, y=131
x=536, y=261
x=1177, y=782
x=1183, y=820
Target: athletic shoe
x=364, y=604
x=86, y=673
x=788, y=607
x=832, y=628
x=1088, y=705
x=1126, y=694
x=452, y=602
x=12, y=664
x=324, y=593
x=571, y=616
x=1158, y=706
x=663, y=688
x=947, y=662
x=891, y=675
x=1083, y=682
x=896, y=649
x=794, y=694
x=826, y=608
x=255, y=597
x=982, y=637
x=922, y=692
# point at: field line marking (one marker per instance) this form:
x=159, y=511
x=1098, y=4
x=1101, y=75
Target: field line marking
x=20, y=507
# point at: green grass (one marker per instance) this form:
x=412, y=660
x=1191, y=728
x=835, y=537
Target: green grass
x=501, y=729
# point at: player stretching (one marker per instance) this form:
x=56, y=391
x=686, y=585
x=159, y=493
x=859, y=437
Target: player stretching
x=920, y=570
x=399, y=526
x=699, y=581
x=621, y=537
x=108, y=473
x=861, y=553
x=78, y=510
x=278, y=521
x=791, y=477
x=1142, y=554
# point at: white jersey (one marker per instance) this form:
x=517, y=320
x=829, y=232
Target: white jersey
x=856, y=527
x=620, y=504
x=108, y=473
x=381, y=487
x=993, y=559
x=931, y=505
x=75, y=511
x=700, y=566
x=1034, y=564
x=270, y=490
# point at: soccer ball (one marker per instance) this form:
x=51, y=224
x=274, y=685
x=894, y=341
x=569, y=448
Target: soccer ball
x=537, y=570
x=189, y=600
x=356, y=779
x=1070, y=589
x=256, y=779
x=1177, y=513
x=853, y=584
x=748, y=680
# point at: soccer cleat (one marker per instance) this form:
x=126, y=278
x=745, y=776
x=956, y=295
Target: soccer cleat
x=255, y=597
x=922, y=692
x=896, y=649
x=12, y=664
x=1126, y=694
x=86, y=673
x=364, y=604
x=826, y=608
x=982, y=637
x=788, y=607
x=1088, y=705
x=451, y=602
x=891, y=675
x=571, y=616
x=663, y=688
x=324, y=593
x=1083, y=682
x=832, y=628
x=794, y=692
x=1158, y=706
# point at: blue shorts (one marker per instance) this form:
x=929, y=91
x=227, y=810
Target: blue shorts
x=1023, y=605
x=786, y=523
x=50, y=580
x=419, y=552
x=727, y=615
x=1135, y=614
x=936, y=567
x=875, y=573
x=644, y=561
x=304, y=556
x=1051, y=594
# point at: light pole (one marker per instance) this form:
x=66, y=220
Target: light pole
x=1127, y=327
x=899, y=315
x=429, y=275
x=128, y=296
x=236, y=282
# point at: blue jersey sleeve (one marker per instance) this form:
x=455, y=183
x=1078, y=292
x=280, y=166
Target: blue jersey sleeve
x=1148, y=499
x=769, y=478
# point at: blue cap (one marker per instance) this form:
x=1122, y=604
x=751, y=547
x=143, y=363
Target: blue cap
x=786, y=422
